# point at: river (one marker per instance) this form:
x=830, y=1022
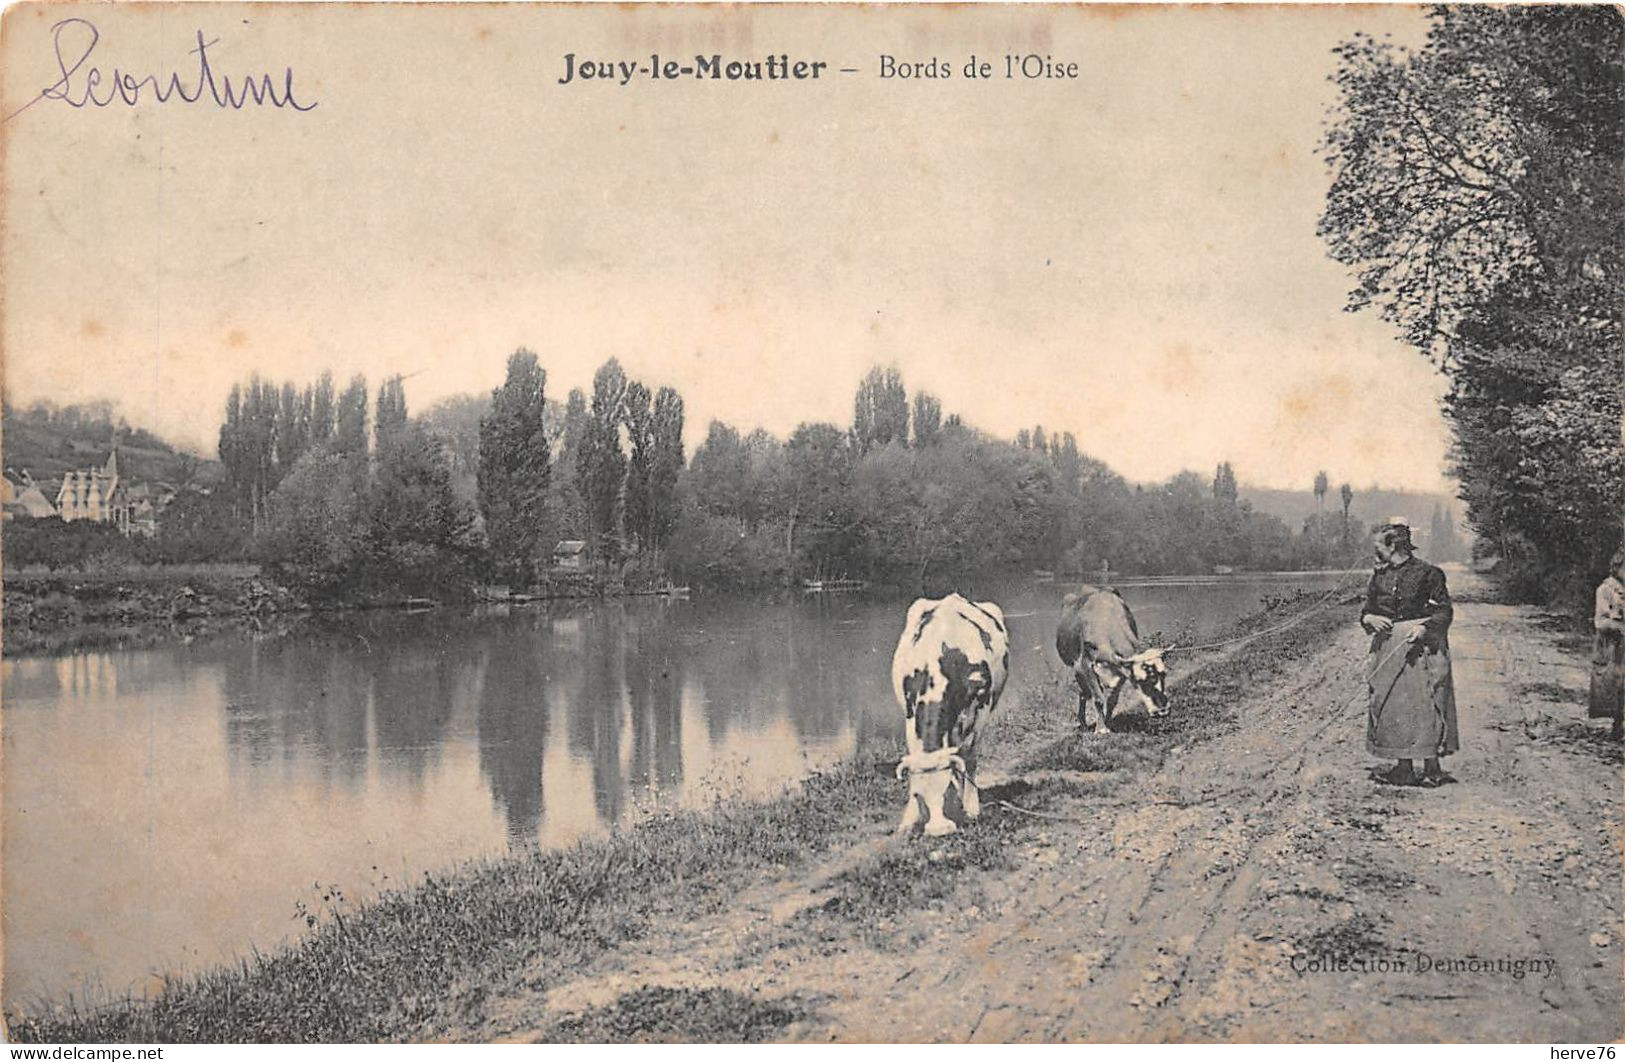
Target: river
x=174, y=807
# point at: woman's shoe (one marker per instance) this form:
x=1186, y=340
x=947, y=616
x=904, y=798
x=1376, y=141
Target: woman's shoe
x=1397, y=776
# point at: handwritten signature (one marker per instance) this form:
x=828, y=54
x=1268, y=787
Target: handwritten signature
x=76, y=38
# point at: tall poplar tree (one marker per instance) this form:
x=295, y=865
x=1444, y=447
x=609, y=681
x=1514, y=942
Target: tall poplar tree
x=514, y=470
x=600, y=462
x=880, y=410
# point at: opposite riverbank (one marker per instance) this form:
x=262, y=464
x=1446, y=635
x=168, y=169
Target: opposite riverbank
x=449, y=957
x=53, y=612
x=49, y=612
x=128, y=608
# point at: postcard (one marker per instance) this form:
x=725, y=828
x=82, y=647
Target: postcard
x=811, y=523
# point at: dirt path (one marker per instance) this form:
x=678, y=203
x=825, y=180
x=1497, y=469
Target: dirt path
x=1255, y=886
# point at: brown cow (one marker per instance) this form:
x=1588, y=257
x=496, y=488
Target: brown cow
x=1098, y=639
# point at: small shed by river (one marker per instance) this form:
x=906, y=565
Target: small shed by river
x=570, y=556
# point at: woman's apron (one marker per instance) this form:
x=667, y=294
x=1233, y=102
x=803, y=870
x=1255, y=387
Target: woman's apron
x=1412, y=706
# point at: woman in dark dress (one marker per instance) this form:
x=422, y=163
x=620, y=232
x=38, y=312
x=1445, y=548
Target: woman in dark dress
x=1412, y=705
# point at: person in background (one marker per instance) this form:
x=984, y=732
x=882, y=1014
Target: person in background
x=1412, y=706
x=1608, y=650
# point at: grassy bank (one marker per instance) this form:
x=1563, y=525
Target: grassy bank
x=426, y=962
x=49, y=612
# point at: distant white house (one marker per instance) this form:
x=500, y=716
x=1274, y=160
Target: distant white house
x=101, y=495
x=94, y=494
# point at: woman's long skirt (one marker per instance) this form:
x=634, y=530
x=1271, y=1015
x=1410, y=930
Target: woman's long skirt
x=1412, y=706
x=1607, y=676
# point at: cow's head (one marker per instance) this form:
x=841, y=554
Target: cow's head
x=929, y=775
x=1139, y=679
x=1148, y=673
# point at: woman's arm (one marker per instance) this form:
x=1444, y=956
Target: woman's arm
x=1370, y=619
x=1439, y=609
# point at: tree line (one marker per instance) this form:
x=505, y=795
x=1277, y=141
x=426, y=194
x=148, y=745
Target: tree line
x=1476, y=194
x=339, y=510
x=346, y=495
x=909, y=496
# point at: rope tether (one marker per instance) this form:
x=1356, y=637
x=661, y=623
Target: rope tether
x=1337, y=588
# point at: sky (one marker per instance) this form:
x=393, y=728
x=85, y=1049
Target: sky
x=1129, y=255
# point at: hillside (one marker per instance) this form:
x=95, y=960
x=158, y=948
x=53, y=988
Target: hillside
x=49, y=441
x=1370, y=505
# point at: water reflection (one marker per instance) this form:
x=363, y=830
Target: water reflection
x=512, y=724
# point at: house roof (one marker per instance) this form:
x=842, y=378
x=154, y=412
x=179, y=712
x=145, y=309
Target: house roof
x=570, y=547
x=32, y=502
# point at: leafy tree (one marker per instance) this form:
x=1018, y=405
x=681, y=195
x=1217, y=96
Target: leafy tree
x=1489, y=156
x=260, y=413
x=232, y=451
x=389, y=413
x=350, y=431
x=199, y=527
x=1346, y=492
x=454, y=421
x=316, y=527
x=1476, y=194
x=565, y=502
x=1224, y=483
x=764, y=462
x=322, y=411
x=1069, y=463
x=248, y=448
x=292, y=430
x=55, y=544
x=880, y=410
x=417, y=530
x=666, y=463
x=600, y=462
x=514, y=473
x=927, y=419
x=1322, y=485
x=654, y=427
x=575, y=419
x=817, y=461
x=639, y=418
x=720, y=475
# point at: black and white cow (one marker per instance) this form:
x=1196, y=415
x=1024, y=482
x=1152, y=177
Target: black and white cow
x=1098, y=639
x=948, y=672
